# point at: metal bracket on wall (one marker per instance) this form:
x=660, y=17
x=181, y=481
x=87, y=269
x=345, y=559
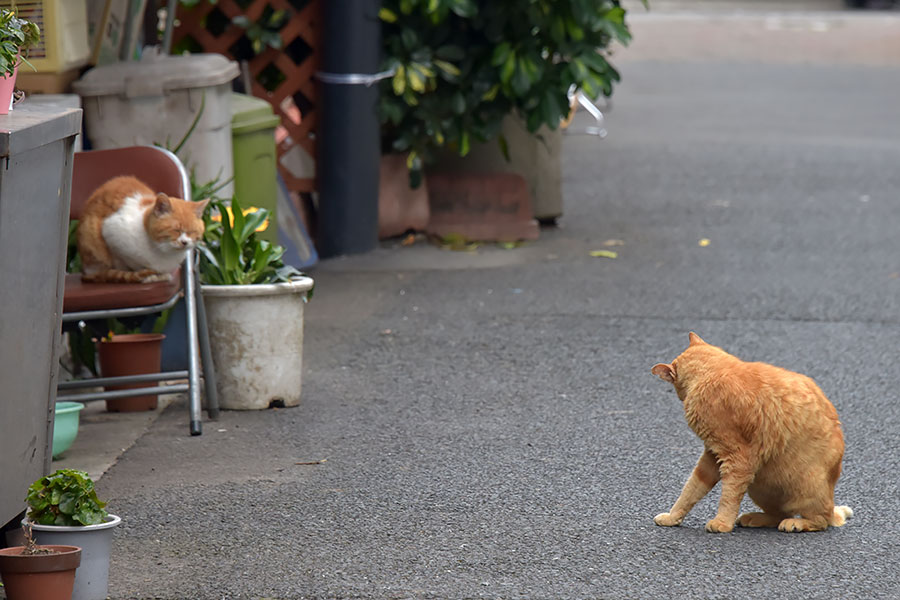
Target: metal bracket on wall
x=599, y=129
x=365, y=79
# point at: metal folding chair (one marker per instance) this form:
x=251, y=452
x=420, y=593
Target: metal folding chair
x=163, y=172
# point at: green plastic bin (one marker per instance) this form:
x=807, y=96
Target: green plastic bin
x=255, y=161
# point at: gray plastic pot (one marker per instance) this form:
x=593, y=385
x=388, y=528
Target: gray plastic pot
x=256, y=337
x=95, y=541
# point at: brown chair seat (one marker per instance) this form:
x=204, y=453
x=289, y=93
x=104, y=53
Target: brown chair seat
x=81, y=296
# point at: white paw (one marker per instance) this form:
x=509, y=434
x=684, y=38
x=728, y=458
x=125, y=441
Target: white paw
x=157, y=277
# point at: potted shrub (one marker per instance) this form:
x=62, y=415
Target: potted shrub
x=475, y=71
x=63, y=509
x=254, y=310
x=16, y=36
x=33, y=572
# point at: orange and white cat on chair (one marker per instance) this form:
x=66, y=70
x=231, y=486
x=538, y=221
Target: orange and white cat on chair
x=766, y=431
x=127, y=233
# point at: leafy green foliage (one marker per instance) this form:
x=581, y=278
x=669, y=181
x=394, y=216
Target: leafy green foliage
x=461, y=66
x=66, y=497
x=266, y=31
x=16, y=36
x=82, y=349
x=231, y=254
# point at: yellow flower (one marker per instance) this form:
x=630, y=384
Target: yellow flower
x=245, y=212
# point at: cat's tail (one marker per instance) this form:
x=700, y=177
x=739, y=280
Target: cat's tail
x=841, y=514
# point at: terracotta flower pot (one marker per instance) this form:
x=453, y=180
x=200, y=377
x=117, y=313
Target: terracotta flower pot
x=130, y=354
x=39, y=576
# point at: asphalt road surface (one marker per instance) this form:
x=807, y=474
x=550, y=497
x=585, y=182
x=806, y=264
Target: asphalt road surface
x=488, y=422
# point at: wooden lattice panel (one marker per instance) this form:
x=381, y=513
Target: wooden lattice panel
x=293, y=99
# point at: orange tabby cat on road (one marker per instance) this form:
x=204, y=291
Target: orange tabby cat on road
x=766, y=431
x=127, y=233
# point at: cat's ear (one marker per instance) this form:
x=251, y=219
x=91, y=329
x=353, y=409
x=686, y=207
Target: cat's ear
x=664, y=372
x=163, y=205
x=695, y=339
x=199, y=207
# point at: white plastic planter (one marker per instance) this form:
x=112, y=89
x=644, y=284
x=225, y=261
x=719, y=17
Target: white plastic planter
x=256, y=337
x=155, y=100
x=95, y=541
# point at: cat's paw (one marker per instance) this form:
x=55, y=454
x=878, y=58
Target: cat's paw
x=667, y=520
x=798, y=525
x=718, y=525
x=153, y=277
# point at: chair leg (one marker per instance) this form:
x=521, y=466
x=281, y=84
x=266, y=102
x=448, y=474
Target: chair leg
x=190, y=305
x=209, y=369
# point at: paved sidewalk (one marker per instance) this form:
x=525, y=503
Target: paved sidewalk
x=484, y=425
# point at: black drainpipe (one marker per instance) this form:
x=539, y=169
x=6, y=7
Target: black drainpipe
x=348, y=130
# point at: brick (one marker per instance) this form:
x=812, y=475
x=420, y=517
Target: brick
x=481, y=206
x=400, y=207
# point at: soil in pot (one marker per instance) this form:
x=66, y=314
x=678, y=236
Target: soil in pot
x=130, y=354
x=45, y=576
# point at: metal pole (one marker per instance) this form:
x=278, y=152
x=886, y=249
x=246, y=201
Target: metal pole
x=348, y=134
x=170, y=26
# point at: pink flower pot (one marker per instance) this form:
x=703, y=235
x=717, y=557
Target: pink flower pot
x=7, y=86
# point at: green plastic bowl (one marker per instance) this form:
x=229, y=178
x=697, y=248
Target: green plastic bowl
x=65, y=426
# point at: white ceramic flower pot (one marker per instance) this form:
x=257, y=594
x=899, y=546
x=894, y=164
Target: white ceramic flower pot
x=95, y=541
x=256, y=337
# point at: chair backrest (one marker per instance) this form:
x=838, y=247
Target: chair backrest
x=157, y=167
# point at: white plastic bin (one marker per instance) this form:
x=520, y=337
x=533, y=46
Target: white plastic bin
x=155, y=100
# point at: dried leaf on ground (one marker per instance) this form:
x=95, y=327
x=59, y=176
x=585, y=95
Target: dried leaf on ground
x=510, y=245
x=604, y=254
x=455, y=241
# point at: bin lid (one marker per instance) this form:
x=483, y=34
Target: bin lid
x=249, y=114
x=155, y=74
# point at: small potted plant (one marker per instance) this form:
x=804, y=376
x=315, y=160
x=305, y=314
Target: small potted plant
x=63, y=509
x=16, y=36
x=124, y=349
x=254, y=310
x=32, y=571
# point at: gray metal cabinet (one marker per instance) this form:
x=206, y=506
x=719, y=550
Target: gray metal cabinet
x=36, y=152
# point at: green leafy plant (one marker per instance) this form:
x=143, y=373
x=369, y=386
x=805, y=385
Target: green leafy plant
x=193, y=3
x=266, y=31
x=231, y=253
x=16, y=36
x=66, y=497
x=461, y=66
